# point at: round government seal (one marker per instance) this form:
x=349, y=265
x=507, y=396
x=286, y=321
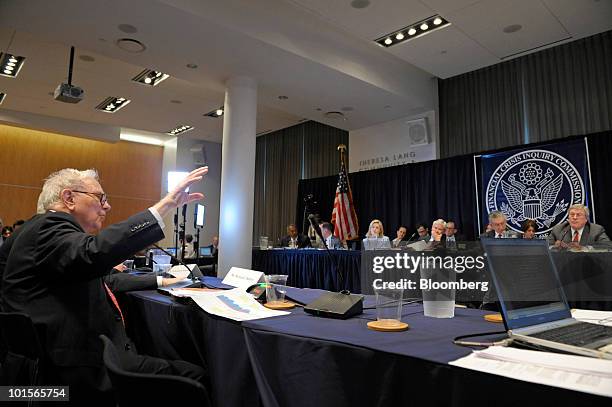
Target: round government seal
x=534, y=184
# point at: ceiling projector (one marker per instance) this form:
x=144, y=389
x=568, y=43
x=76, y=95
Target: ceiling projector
x=68, y=93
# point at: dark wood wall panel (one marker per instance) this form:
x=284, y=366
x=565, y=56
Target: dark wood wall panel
x=130, y=173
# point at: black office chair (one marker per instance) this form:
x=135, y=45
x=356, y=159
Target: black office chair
x=23, y=362
x=132, y=389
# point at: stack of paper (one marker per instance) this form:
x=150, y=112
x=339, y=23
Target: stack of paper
x=579, y=373
x=234, y=304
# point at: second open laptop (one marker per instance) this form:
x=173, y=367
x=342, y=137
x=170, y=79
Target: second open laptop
x=533, y=305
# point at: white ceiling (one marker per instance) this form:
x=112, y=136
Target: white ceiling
x=319, y=53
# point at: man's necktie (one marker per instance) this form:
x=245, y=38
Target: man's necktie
x=576, y=237
x=114, y=300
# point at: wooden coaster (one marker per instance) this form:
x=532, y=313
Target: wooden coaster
x=279, y=305
x=494, y=318
x=382, y=326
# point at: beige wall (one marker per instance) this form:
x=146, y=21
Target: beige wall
x=130, y=173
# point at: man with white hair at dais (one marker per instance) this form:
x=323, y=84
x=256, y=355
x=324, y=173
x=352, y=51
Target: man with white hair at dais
x=577, y=231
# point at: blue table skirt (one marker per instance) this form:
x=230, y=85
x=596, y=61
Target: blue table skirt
x=302, y=360
x=311, y=267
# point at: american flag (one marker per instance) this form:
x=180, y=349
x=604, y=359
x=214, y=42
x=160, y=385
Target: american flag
x=343, y=216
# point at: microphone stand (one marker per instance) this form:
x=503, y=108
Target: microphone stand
x=333, y=259
x=193, y=278
x=183, y=230
x=176, y=230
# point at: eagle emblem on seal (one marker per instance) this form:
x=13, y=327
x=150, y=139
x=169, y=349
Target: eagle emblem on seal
x=533, y=195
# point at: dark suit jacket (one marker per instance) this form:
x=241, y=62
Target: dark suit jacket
x=335, y=243
x=54, y=273
x=303, y=241
x=592, y=234
x=491, y=235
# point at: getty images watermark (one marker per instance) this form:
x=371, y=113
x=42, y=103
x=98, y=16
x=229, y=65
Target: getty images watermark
x=433, y=270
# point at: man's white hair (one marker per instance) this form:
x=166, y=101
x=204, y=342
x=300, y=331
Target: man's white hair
x=497, y=215
x=68, y=178
x=439, y=222
x=581, y=207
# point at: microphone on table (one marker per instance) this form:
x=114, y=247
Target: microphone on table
x=195, y=274
x=410, y=238
x=341, y=305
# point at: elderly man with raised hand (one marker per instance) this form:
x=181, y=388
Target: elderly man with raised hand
x=577, y=231
x=54, y=273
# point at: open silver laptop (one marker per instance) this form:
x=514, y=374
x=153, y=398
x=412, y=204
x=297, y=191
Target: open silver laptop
x=532, y=301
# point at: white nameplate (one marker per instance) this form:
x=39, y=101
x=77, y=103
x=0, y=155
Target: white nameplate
x=242, y=278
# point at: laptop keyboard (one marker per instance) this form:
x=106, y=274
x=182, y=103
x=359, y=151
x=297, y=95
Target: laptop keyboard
x=580, y=334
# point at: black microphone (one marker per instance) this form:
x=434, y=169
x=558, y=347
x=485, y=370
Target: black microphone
x=565, y=223
x=317, y=229
x=340, y=305
x=195, y=274
x=410, y=238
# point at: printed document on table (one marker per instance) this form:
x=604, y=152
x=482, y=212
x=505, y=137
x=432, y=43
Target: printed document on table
x=578, y=373
x=234, y=304
x=592, y=316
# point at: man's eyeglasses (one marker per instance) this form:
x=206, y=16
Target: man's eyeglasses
x=101, y=196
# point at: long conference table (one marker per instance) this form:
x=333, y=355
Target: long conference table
x=586, y=277
x=302, y=360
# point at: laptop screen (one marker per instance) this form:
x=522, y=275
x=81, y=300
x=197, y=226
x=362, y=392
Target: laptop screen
x=526, y=280
x=205, y=251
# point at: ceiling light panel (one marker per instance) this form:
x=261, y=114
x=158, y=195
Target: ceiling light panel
x=413, y=31
x=150, y=77
x=112, y=104
x=10, y=65
x=218, y=112
x=180, y=130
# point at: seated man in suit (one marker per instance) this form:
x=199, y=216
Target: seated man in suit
x=293, y=239
x=327, y=231
x=499, y=225
x=423, y=233
x=451, y=232
x=577, y=231
x=401, y=234
x=54, y=273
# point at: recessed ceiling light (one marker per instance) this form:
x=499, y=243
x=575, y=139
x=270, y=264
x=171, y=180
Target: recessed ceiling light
x=127, y=28
x=283, y=97
x=512, y=28
x=414, y=30
x=334, y=115
x=10, y=65
x=131, y=45
x=218, y=112
x=150, y=77
x=191, y=66
x=360, y=4
x=86, y=58
x=180, y=130
x=112, y=104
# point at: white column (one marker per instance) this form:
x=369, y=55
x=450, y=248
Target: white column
x=237, y=174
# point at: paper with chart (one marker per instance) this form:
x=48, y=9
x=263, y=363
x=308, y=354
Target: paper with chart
x=234, y=304
x=578, y=373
